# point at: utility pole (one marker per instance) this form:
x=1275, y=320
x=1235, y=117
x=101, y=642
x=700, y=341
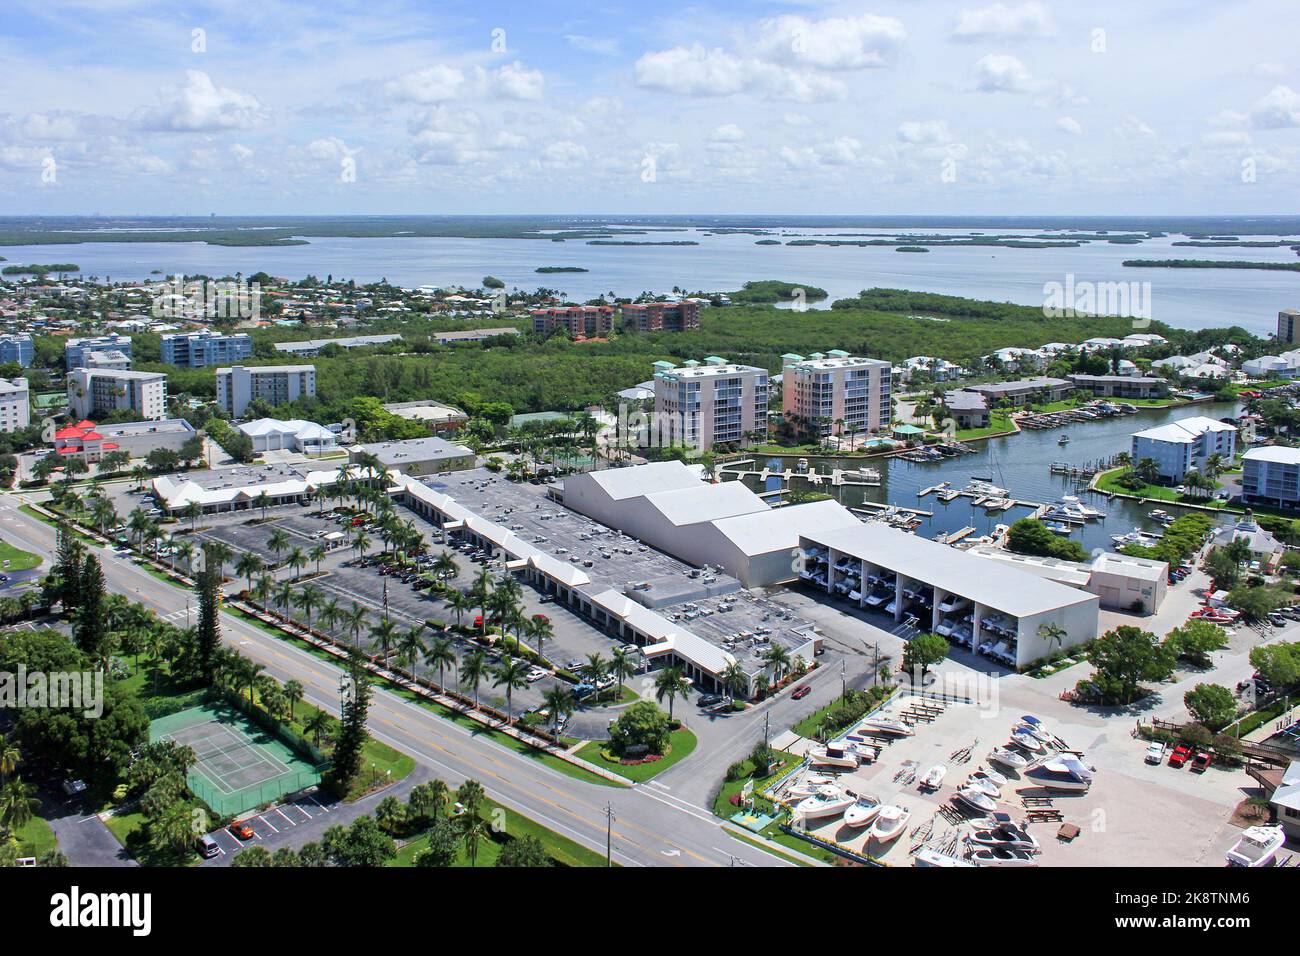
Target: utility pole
x=844, y=686
x=609, y=835
x=767, y=725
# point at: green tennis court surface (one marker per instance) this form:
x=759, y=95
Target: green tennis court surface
x=240, y=765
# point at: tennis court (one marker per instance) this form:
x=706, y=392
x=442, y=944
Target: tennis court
x=240, y=765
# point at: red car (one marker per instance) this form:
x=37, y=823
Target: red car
x=478, y=620
x=1201, y=762
x=1179, y=756
x=801, y=692
x=242, y=830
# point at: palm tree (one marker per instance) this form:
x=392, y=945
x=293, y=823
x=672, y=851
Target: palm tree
x=1053, y=634
x=308, y=600
x=318, y=726
x=330, y=614
x=410, y=646
x=262, y=592
x=246, y=565
x=734, y=679
x=293, y=692
x=10, y=758
x=779, y=659
x=360, y=542
x=249, y=671
x=440, y=655
x=445, y=567
x=384, y=634
x=277, y=542
x=263, y=501
x=296, y=560
x=621, y=667
x=595, y=668
x=318, y=555
x=512, y=674
x=474, y=830
x=284, y=597
x=103, y=514
x=539, y=630
x=671, y=684
x=761, y=685
x=473, y=668
x=355, y=620
x=460, y=602
x=18, y=804
x=559, y=701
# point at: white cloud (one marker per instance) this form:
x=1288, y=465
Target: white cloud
x=836, y=43
x=1068, y=124
x=1133, y=127
x=1226, y=138
x=201, y=106
x=727, y=133
x=565, y=153
x=924, y=132
x=1002, y=73
x=1269, y=70
x=514, y=81
x=697, y=71
x=434, y=84
x=1001, y=22
x=1280, y=109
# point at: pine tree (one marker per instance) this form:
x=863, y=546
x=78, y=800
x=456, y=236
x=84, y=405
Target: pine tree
x=90, y=628
x=69, y=557
x=352, y=734
x=208, y=585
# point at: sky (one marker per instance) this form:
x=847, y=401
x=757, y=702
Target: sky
x=962, y=107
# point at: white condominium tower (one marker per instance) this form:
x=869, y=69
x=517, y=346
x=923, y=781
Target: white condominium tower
x=710, y=404
x=273, y=384
x=836, y=393
x=94, y=391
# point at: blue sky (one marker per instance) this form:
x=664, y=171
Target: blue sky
x=397, y=106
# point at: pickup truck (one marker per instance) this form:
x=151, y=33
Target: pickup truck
x=1180, y=756
x=1156, y=753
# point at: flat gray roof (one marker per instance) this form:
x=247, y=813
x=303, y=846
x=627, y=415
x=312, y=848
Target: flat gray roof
x=394, y=453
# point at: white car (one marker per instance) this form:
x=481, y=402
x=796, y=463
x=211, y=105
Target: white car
x=535, y=675
x=1155, y=753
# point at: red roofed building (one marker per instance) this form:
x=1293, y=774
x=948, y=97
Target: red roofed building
x=82, y=441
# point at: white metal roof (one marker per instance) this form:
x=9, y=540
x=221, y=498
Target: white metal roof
x=1010, y=590
x=1185, y=430
x=1276, y=454
x=779, y=528
x=657, y=476
x=703, y=502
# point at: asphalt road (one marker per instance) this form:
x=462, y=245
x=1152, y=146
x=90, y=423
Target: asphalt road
x=652, y=826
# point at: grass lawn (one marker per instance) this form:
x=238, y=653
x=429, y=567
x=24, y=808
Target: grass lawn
x=130, y=830
x=1109, y=481
x=561, y=849
x=15, y=559
x=35, y=837
x=681, y=743
x=722, y=807
x=998, y=422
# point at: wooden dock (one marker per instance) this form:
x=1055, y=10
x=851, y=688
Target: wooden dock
x=837, y=478
x=960, y=534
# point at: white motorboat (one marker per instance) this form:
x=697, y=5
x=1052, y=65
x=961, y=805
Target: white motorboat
x=832, y=756
x=986, y=489
x=980, y=782
x=1034, y=730
x=1074, y=502
x=885, y=725
x=1257, y=846
x=1009, y=835
x=1002, y=856
x=1062, y=773
x=809, y=785
x=973, y=798
x=1008, y=758
x=862, y=813
x=1028, y=741
x=992, y=775
x=928, y=857
x=890, y=823
x=933, y=778
x=828, y=801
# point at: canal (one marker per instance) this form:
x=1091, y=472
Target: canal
x=1021, y=463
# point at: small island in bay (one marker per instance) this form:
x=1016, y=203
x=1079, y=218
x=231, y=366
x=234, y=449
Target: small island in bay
x=547, y=270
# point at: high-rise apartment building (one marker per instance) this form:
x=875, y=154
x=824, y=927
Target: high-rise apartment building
x=714, y=403
x=93, y=392
x=273, y=384
x=662, y=316
x=201, y=349
x=836, y=393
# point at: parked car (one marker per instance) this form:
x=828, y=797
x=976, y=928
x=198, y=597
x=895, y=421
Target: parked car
x=206, y=847
x=478, y=620
x=242, y=830
x=1156, y=753
x=802, y=691
x=1180, y=756
x=710, y=700
x=1201, y=762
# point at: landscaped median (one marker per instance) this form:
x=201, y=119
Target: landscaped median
x=681, y=744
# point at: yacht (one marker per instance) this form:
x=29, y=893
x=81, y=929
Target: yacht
x=1002, y=856
x=1009, y=835
x=828, y=801
x=933, y=778
x=1257, y=846
x=1008, y=758
x=973, y=798
x=862, y=813
x=1034, y=730
x=992, y=775
x=981, y=487
x=1063, y=440
x=832, y=756
x=885, y=725
x=1136, y=536
x=809, y=785
x=1062, y=773
x=1058, y=527
x=1075, y=503
x=1161, y=517
x=890, y=823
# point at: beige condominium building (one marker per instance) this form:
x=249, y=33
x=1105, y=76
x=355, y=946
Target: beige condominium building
x=836, y=393
x=708, y=404
x=273, y=384
x=92, y=392
x=1288, y=326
